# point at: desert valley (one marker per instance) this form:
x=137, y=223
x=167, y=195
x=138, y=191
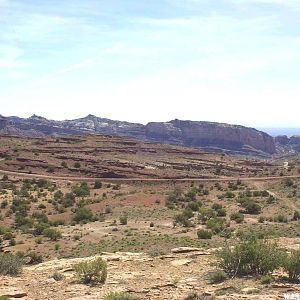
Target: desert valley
x=95, y=216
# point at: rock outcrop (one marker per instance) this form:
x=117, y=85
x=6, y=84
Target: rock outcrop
x=209, y=135
x=288, y=144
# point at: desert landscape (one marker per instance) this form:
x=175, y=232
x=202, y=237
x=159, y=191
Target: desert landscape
x=159, y=217
x=149, y=150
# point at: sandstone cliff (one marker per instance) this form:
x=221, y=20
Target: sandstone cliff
x=177, y=132
x=209, y=134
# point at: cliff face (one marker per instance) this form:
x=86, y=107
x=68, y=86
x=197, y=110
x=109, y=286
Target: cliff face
x=208, y=134
x=291, y=144
x=3, y=122
x=177, y=132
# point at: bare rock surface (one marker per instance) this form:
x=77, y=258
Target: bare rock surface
x=139, y=274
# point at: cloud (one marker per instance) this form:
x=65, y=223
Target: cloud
x=81, y=65
x=143, y=60
x=10, y=56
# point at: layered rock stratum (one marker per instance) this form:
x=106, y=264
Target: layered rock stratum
x=196, y=134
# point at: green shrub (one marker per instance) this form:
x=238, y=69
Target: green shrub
x=77, y=165
x=226, y=232
x=83, y=214
x=292, y=265
x=206, y=214
x=116, y=187
x=40, y=228
x=120, y=296
x=229, y=195
x=58, y=195
x=288, y=182
x=12, y=242
x=216, y=225
x=266, y=279
x=64, y=164
x=81, y=191
x=8, y=235
x=38, y=240
x=217, y=277
x=10, y=264
x=52, y=234
x=123, y=220
x=204, y=234
x=280, y=219
x=98, y=184
x=191, y=195
x=174, y=197
x=183, y=220
x=58, y=276
x=271, y=199
x=5, y=178
x=216, y=206
x=221, y=212
x=252, y=256
x=76, y=237
x=219, y=209
x=194, y=205
x=4, y=230
x=94, y=271
x=252, y=208
x=68, y=200
x=33, y=258
x=237, y=217
x=108, y=209
x=296, y=216
x=195, y=296
x=4, y=204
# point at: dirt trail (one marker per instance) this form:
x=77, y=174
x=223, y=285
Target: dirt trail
x=215, y=179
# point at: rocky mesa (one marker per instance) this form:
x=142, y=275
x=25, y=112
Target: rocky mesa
x=210, y=134
x=196, y=134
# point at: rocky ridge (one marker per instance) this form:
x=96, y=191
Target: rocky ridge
x=209, y=135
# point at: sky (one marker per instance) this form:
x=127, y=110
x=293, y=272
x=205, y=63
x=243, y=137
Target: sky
x=233, y=61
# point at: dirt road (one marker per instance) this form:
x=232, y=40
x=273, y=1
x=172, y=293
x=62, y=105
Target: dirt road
x=91, y=179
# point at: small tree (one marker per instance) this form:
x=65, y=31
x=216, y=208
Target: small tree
x=83, y=214
x=251, y=256
x=292, y=265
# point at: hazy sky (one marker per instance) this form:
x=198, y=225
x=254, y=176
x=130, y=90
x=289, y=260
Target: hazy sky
x=235, y=61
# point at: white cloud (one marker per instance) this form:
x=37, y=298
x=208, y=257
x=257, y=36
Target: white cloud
x=212, y=66
x=9, y=57
x=295, y=4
